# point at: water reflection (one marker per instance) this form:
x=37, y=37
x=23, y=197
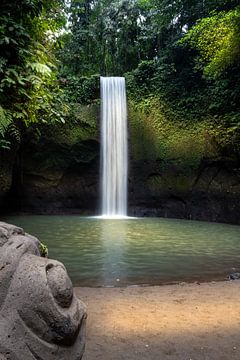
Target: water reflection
x=99, y=252
x=113, y=239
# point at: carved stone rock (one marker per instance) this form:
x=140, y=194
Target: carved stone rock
x=40, y=316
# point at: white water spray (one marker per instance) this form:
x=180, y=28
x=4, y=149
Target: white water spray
x=114, y=153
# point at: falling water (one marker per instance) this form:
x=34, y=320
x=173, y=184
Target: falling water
x=114, y=146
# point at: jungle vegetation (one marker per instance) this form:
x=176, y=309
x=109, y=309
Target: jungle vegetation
x=181, y=60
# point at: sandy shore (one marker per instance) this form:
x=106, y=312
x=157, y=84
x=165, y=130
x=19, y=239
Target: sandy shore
x=175, y=322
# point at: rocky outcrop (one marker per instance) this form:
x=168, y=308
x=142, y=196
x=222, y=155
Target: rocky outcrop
x=40, y=316
x=168, y=175
x=210, y=192
x=51, y=192
x=41, y=186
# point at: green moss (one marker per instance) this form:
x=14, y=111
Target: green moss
x=43, y=249
x=80, y=126
x=155, y=134
x=60, y=146
x=168, y=183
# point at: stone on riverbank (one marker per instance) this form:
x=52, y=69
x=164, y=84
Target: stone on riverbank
x=40, y=316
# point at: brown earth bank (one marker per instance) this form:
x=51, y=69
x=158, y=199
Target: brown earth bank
x=171, y=322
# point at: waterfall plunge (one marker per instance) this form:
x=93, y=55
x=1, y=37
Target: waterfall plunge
x=114, y=153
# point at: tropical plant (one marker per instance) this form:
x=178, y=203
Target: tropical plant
x=217, y=39
x=29, y=90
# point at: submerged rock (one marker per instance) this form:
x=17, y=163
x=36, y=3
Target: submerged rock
x=40, y=316
x=234, y=276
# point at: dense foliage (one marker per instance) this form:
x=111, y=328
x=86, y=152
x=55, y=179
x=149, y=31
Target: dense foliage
x=29, y=91
x=114, y=36
x=181, y=56
x=180, y=59
x=217, y=39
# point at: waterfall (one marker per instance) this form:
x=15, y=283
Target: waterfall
x=114, y=153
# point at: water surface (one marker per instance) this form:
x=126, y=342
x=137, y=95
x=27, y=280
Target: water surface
x=103, y=252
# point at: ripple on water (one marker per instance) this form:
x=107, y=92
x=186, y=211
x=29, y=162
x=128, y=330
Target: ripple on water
x=97, y=250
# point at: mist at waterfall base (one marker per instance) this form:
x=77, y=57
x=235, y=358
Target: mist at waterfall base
x=114, y=148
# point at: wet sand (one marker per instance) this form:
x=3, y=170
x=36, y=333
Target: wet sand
x=171, y=322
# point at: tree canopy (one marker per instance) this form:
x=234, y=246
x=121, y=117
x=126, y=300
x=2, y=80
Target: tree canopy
x=184, y=52
x=29, y=91
x=217, y=39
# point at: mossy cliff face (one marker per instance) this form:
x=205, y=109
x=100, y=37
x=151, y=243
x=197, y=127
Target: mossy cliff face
x=210, y=193
x=176, y=168
x=179, y=168
x=59, y=167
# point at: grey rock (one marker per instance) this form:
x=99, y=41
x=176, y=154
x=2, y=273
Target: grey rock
x=40, y=316
x=234, y=276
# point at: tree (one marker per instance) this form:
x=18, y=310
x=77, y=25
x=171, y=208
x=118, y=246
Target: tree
x=28, y=38
x=107, y=37
x=217, y=39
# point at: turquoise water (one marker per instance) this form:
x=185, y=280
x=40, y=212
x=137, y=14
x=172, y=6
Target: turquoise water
x=101, y=252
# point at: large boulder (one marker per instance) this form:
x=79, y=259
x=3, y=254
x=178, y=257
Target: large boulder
x=40, y=316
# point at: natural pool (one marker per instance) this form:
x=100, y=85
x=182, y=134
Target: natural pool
x=101, y=252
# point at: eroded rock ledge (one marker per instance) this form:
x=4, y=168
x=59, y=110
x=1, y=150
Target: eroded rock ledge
x=40, y=316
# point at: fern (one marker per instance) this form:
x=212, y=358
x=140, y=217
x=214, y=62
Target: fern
x=42, y=69
x=4, y=144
